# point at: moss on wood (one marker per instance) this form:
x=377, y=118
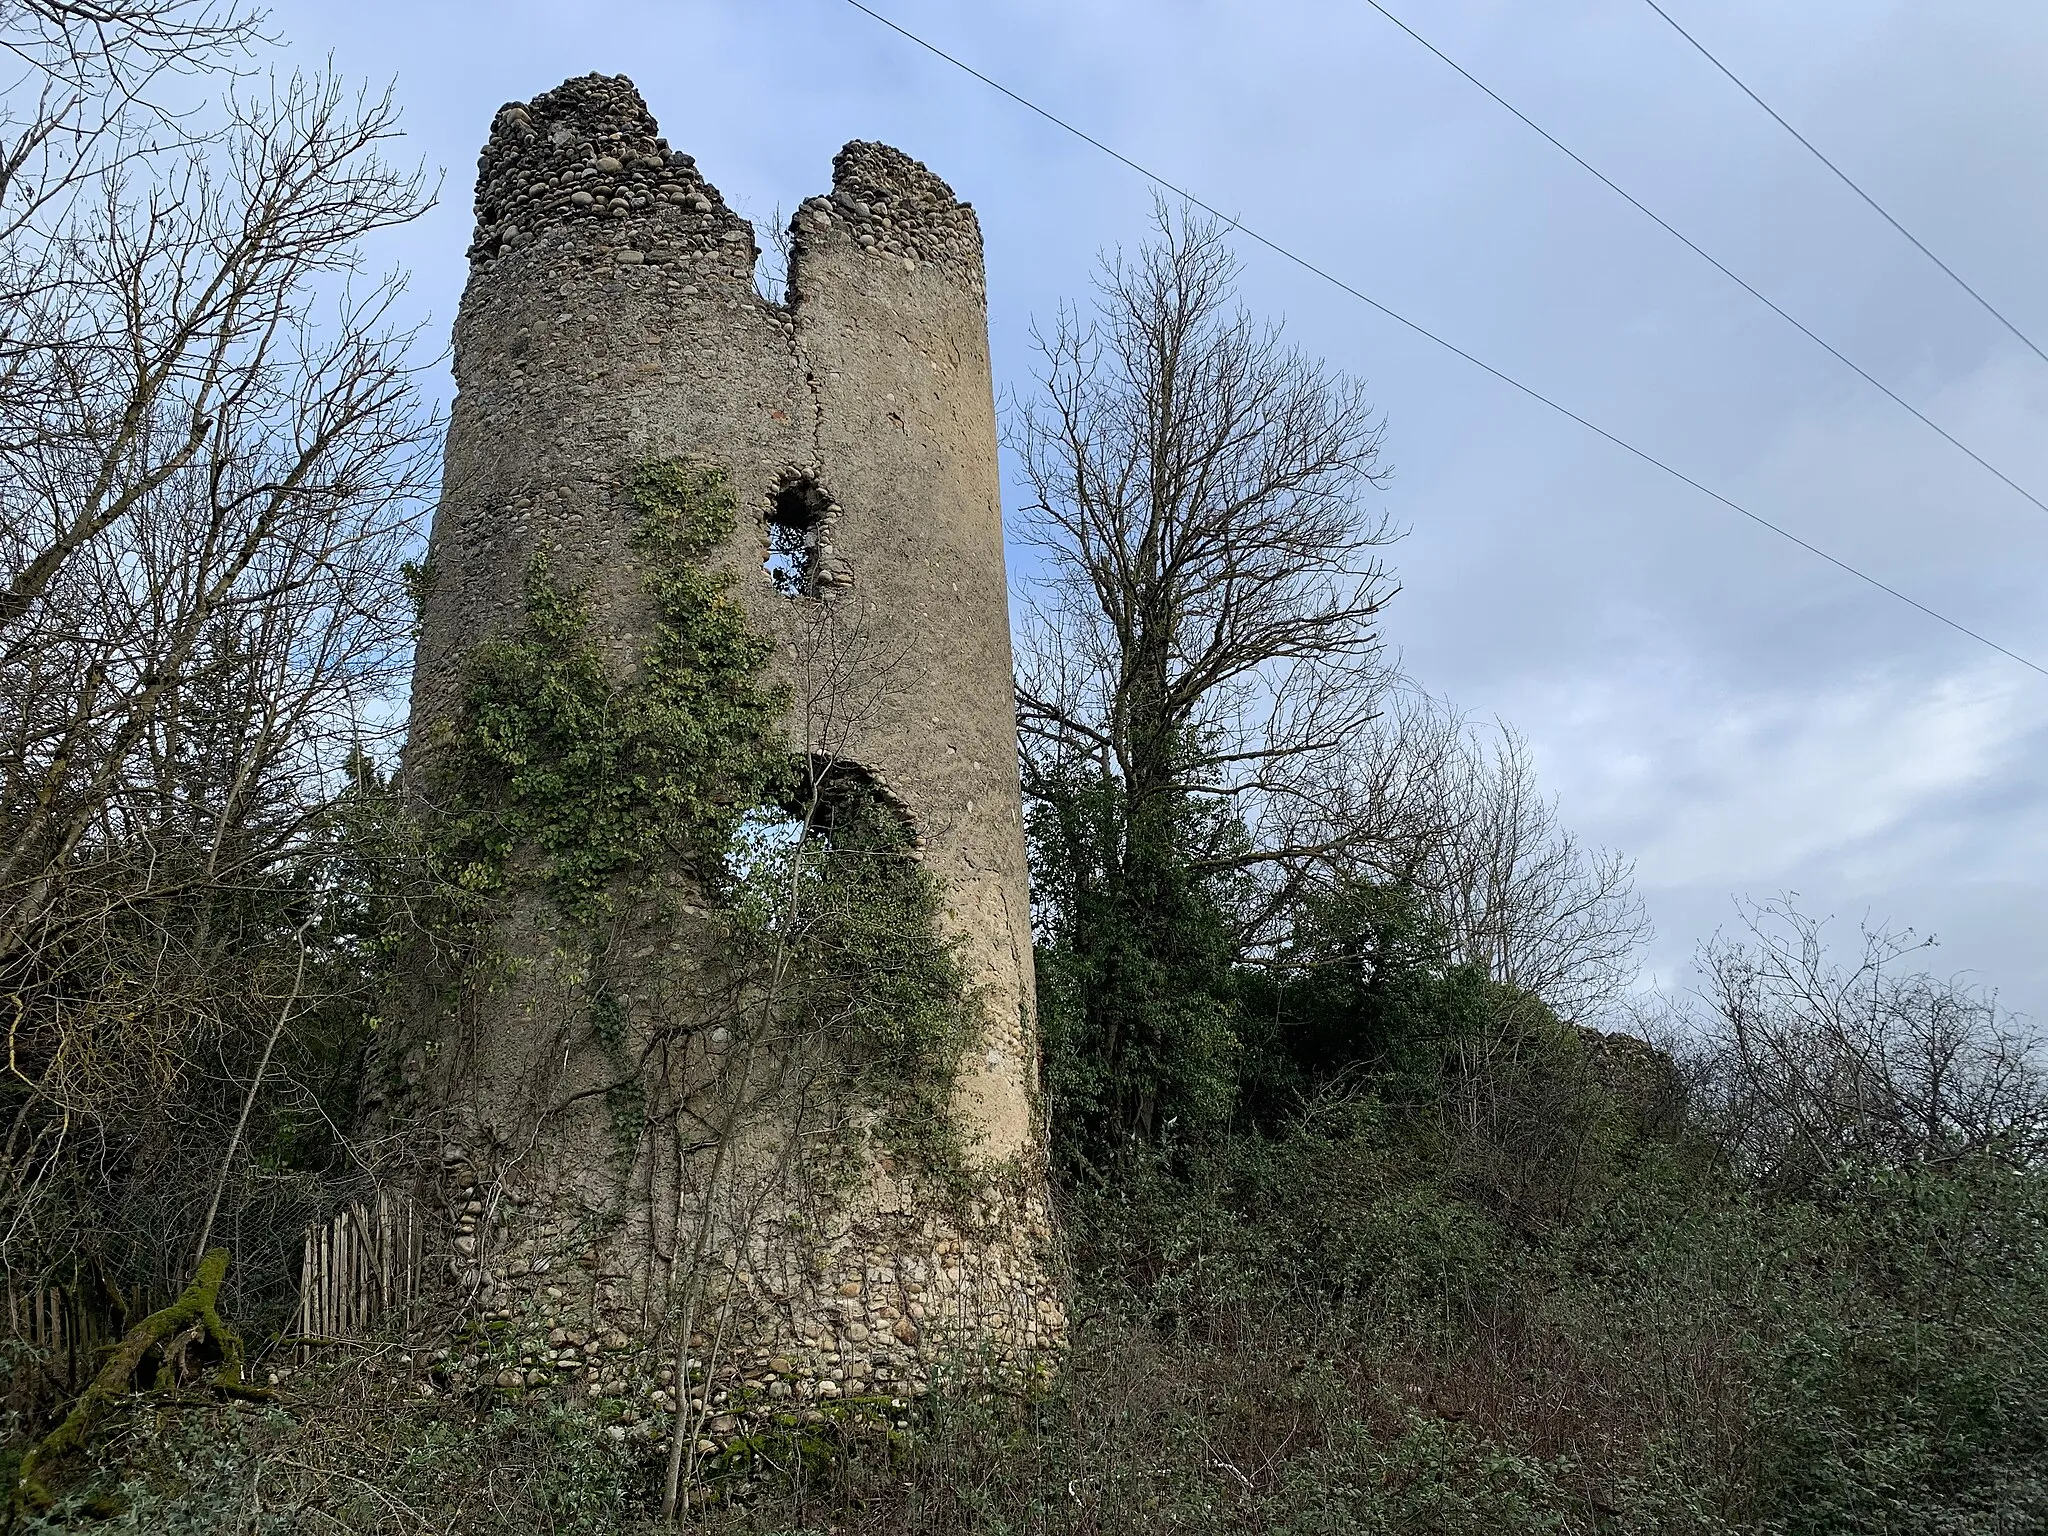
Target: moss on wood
x=166, y=1339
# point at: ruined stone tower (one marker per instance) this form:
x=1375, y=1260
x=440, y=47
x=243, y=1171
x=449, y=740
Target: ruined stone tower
x=612, y=321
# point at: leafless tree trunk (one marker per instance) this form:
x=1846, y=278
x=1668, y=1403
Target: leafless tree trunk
x=1202, y=653
x=1209, y=628
x=212, y=457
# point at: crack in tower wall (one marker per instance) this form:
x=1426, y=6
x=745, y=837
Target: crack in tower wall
x=611, y=320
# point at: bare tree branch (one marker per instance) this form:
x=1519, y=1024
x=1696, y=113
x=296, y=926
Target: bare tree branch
x=213, y=457
x=1810, y=1065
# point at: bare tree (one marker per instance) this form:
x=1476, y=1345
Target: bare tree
x=1810, y=1065
x=1518, y=892
x=1202, y=651
x=93, y=86
x=1426, y=800
x=1209, y=626
x=212, y=456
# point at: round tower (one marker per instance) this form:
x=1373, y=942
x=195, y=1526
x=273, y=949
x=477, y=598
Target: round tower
x=578, y=1063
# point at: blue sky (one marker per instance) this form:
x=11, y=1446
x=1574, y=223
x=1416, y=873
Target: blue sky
x=1739, y=717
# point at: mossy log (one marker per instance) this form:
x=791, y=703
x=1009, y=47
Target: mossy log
x=181, y=1338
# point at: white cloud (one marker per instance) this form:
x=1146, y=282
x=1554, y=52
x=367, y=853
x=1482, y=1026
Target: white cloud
x=1748, y=788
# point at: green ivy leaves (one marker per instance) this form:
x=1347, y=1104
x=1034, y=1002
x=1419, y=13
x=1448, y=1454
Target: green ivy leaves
x=603, y=776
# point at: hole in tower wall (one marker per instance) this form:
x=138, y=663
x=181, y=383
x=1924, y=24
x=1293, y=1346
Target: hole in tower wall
x=834, y=809
x=800, y=558
x=844, y=801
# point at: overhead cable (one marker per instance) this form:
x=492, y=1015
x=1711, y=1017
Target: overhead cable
x=1845, y=179
x=1449, y=346
x=1608, y=182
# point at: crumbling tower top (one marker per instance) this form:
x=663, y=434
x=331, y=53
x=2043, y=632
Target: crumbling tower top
x=587, y=159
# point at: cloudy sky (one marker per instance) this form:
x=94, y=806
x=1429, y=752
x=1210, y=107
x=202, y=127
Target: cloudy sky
x=1735, y=714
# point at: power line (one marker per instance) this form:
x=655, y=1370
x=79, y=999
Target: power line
x=1449, y=346
x=1608, y=182
x=1843, y=176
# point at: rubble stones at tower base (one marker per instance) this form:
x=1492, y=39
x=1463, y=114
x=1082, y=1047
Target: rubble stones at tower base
x=877, y=1305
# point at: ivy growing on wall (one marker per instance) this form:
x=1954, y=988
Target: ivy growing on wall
x=857, y=919
x=603, y=777
x=568, y=770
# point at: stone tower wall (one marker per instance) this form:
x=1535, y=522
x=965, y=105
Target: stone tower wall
x=612, y=319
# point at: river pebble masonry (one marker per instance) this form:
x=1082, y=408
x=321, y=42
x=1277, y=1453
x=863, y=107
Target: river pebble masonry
x=612, y=320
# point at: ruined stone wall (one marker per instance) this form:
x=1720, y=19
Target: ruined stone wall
x=612, y=319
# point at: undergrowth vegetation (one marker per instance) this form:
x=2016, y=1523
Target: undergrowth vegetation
x=1486, y=1274
x=1322, y=1328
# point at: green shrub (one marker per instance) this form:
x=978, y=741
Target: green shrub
x=602, y=775
x=1909, y=1392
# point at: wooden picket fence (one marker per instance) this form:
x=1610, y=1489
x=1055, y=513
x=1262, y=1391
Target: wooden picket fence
x=356, y=1269
x=359, y=1267
x=65, y=1331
